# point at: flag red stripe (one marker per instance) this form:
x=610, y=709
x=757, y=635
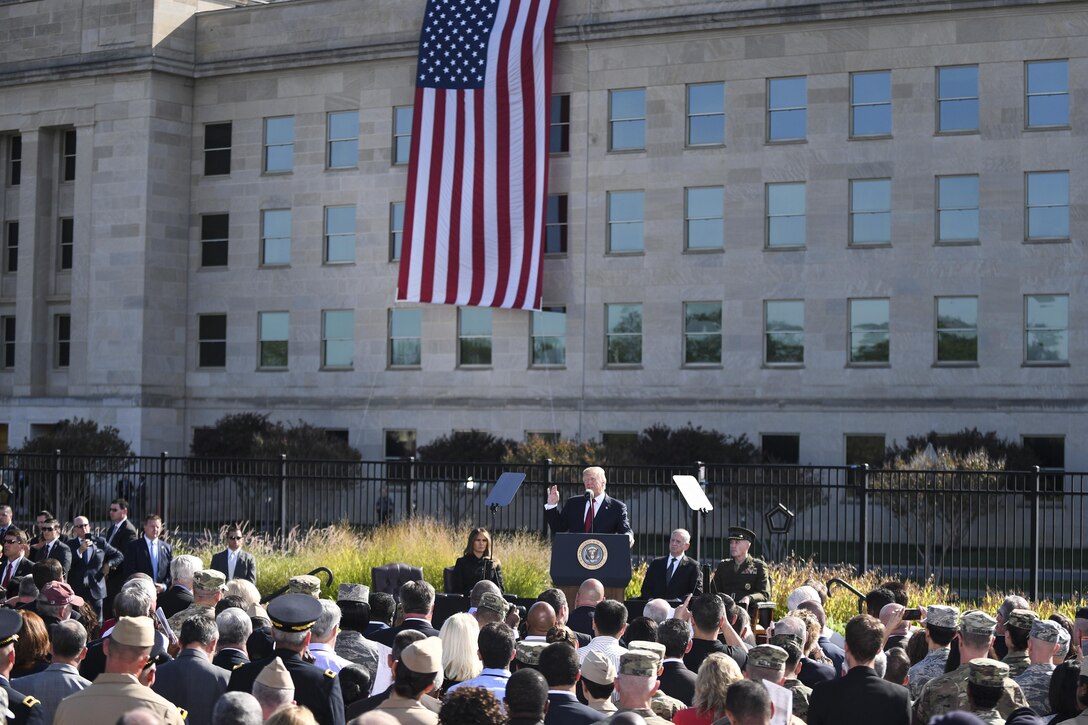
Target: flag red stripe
x=426, y=283
x=453, y=259
x=406, y=248
x=477, y=261
x=502, y=154
x=543, y=158
x=529, y=156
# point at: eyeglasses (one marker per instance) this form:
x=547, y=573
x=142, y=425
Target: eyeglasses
x=12, y=541
x=80, y=526
x=235, y=538
x=113, y=511
x=48, y=528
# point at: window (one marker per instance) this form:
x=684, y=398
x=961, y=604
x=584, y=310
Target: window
x=549, y=336
x=405, y=336
x=786, y=215
x=957, y=99
x=627, y=120
x=784, y=332
x=787, y=109
x=704, y=226
x=625, y=221
x=279, y=144
x=870, y=211
x=781, y=448
x=15, y=160
x=339, y=234
x=706, y=114
x=275, y=237
x=63, y=338
x=555, y=226
x=1047, y=93
x=957, y=330
x=343, y=139
x=473, y=336
x=559, y=126
x=11, y=247
x=869, y=331
x=864, y=448
x=400, y=443
x=212, y=341
x=402, y=134
x=67, y=230
x=1050, y=452
x=396, y=229
x=273, y=339
x=1048, y=205
x=7, y=326
x=337, y=338
x=702, y=333
x=217, y=140
x=871, y=104
x=957, y=208
x=214, y=240
x=1046, y=329
x=68, y=155
x=623, y=339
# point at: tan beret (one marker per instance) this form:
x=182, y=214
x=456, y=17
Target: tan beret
x=276, y=676
x=423, y=656
x=134, y=631
x=598, y=669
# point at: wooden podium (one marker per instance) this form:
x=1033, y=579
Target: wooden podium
x=605, y=557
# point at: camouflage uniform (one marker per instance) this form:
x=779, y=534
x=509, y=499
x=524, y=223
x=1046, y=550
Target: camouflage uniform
x=662, y=705
x=1017, y=662
x=949, y=692
x=989, y=717
x=647, y=715
x=193, y=610
x=1024, y=620
x=641, y=662
x=1035, y=682
x=801, y=694
x=931, y=666
x=985, y=672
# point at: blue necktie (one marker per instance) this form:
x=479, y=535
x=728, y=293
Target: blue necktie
x=154, y=561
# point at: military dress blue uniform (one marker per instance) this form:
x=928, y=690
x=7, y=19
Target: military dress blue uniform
x=26, y=709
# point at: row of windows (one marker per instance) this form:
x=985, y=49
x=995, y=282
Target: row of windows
x=65, y=244
x=13, y=171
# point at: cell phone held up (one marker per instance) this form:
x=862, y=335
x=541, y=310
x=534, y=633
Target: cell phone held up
x=912, y=615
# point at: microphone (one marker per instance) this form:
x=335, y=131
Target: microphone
x=589, y=496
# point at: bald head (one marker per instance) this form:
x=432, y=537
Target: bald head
x=539, y=619
x=591, y=592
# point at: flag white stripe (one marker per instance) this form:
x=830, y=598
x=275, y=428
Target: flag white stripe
x=445, y=196
x=422, y=201
x=490, y=182
x=468, y=178
x=516, y=171
x=540, y=152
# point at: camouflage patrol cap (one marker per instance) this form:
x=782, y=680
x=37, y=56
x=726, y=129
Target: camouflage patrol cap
x=988, y=673
x=353, y=593
x=528, y=653
x=1063, y=641
x=598, y=669
x=940, y=615
x=768, y=656
x=978, y=622
x=493, y=602
x=209, y=580
x=1022, y=618
x=304, y=584
x=655, y=648
x=1046, y=631
x=638, y=663
x=786, y=641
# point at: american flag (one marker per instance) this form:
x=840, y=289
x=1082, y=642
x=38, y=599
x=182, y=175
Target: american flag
x=478, y=170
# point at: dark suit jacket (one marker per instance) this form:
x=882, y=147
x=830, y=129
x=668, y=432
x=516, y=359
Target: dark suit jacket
x=611, y=518
x=856, y=698
x=23, y=569
x=138, y=559
x=86, y=578
x=315, y=688
x=386, y=636
x=835, y=653
x=193, y=683
x=687, y=580
x=119, y=541
x=678, y=681
x=373, y=627
x=228, y=659
x=175, y=599
x=566, y=710
x=17, y=702
x=246, y=568
x=581, y=620
x=60, y=552
x=813, y=673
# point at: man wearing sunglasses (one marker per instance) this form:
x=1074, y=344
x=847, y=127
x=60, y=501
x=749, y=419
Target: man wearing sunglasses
x=92, y=560
x=15, y=563
x=233, y=562
x=51, y=546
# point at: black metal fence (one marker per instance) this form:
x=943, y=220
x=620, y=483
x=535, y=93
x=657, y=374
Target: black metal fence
x=971, y=530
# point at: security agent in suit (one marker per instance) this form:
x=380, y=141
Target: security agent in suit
x=233, y=562
x=674, y=576
x=676, y=679
x=855, y=697
x=292, y=616
x=92, y=559
x=150, y=555
x=25, y=709
x=741, y=576
x=15, y=564
x=191, y=681
x=595, y=512
x=559, y=664
x=52, y=547
x=120, y=532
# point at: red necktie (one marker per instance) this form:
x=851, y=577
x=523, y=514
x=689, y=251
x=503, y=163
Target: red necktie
x=589, y=517
x=7, y=576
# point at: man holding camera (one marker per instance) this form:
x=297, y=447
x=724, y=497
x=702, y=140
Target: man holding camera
x=92, y=560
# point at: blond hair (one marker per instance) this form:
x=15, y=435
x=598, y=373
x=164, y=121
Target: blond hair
x=716, y=674
x=460, y=634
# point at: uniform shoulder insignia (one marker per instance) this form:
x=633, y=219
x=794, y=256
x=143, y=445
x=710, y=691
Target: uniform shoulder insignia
x=240, y=664
x=184, y=713
x=31, y=701
x=330, y=674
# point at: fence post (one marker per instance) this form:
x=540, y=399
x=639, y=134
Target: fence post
x=56, y=481
x=283, y=498
x=411, y=487
x=164, y=508
x=697, y=516
x=864, y=523
x=1033, y=587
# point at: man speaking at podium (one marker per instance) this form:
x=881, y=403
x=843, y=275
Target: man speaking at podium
x=594, y=512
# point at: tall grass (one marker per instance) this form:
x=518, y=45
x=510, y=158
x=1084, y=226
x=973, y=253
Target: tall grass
x=525, y=560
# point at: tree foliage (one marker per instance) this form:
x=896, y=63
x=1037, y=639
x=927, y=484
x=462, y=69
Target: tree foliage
x=660, y=445
x=78, y=437
x=473, y=446
x=253, y=435
x=962, y=445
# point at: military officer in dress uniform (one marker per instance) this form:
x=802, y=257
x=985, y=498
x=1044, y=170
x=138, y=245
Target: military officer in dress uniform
x=292, y=616
x=25, y=708
x=742, y=577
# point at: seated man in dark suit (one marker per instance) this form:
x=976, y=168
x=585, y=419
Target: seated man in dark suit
x=674, y=576
x=51, y=546
x=677, y=680
x=595, y=512
x=861, y=692
x=92, y=558
x=232, y=561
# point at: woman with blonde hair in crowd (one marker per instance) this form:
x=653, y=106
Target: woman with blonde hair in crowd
x=460, y=661
x=292, y=715
x=716, y=674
